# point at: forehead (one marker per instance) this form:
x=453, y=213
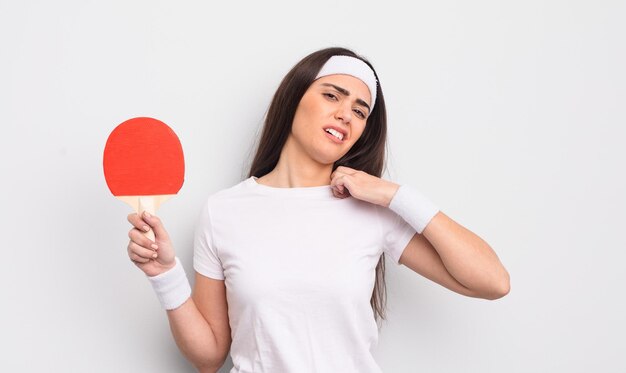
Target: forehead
x=357, y=88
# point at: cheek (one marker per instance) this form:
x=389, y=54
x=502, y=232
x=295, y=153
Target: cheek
x=308, y=118
x=303, y=112
x=360, y=132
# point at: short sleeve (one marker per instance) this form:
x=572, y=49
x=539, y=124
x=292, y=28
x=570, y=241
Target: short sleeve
x=396, y=233
x=206, y=260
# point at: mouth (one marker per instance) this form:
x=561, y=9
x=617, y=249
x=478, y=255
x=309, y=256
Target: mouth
x=336, y=134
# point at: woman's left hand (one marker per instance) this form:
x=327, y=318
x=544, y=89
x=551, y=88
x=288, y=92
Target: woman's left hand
x=346, y=181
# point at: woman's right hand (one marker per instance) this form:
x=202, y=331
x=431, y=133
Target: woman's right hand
x=142, y=250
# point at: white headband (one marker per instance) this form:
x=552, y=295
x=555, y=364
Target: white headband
x=351, y=66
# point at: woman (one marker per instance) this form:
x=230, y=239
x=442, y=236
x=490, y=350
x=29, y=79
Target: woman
x=286, y=259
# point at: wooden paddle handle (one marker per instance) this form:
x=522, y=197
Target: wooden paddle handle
x=147, y=203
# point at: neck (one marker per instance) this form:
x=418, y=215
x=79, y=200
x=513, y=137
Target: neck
x=296, y=169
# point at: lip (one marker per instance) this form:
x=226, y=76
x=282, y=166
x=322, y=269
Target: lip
x=333, y=138
x=338, y=129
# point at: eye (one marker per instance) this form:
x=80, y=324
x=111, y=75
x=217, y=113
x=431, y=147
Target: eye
x=330, y=95
x=359, y=113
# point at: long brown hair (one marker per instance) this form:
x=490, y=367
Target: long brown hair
x=367, y=154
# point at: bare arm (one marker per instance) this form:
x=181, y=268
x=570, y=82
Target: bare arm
x=200, y=325
x=445, y=251
x=453, y=256
x=468, y=258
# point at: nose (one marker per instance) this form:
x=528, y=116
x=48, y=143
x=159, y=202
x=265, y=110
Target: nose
x=344, y=112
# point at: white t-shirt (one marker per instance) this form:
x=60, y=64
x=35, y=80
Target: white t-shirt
x=299, y=268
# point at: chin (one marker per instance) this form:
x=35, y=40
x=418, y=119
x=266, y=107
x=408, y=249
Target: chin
x=328, y=155
x=326, y=159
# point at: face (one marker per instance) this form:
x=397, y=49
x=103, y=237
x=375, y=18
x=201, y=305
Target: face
x=335, y=103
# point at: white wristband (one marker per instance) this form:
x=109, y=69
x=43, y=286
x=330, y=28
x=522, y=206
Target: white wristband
x=413, y=207
x=171, y=287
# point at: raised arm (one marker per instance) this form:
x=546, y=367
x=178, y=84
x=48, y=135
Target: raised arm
x=447, y=252
x=441, y=250
x=452, y=256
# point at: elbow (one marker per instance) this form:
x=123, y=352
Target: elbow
x=211, y=365
x=204, y=364
x=501, y=287
x=210, y=361
x=205, y=369
x=208, y=368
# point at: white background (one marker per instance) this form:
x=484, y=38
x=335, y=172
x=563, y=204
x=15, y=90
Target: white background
x=509, y=115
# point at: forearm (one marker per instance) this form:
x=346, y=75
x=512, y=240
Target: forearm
x=467, y=257
x=195, y=338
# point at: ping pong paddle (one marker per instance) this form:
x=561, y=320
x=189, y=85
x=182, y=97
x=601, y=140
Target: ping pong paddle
x=143, y=164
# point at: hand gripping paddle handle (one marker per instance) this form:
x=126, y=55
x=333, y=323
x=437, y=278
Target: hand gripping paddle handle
x=146, y=203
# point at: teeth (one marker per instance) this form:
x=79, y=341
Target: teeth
x=338, y=135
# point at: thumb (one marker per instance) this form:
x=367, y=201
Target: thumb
x=155, y=223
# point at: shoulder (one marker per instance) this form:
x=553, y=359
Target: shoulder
x=228, y=192
x=387, y=218
x=225, y=196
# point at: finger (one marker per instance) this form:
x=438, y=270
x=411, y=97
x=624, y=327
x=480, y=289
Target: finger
x=338, y=189
x=338, y=182
x=333, y=181
x=346, y=182
x=139, y=238
x=157, y=226
x=338, y=172
x=137, y=222
x=137, y=259
x=346, y=170
x=142, y=252
x=339, y=194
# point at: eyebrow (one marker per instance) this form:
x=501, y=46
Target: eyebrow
x=345, y=92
